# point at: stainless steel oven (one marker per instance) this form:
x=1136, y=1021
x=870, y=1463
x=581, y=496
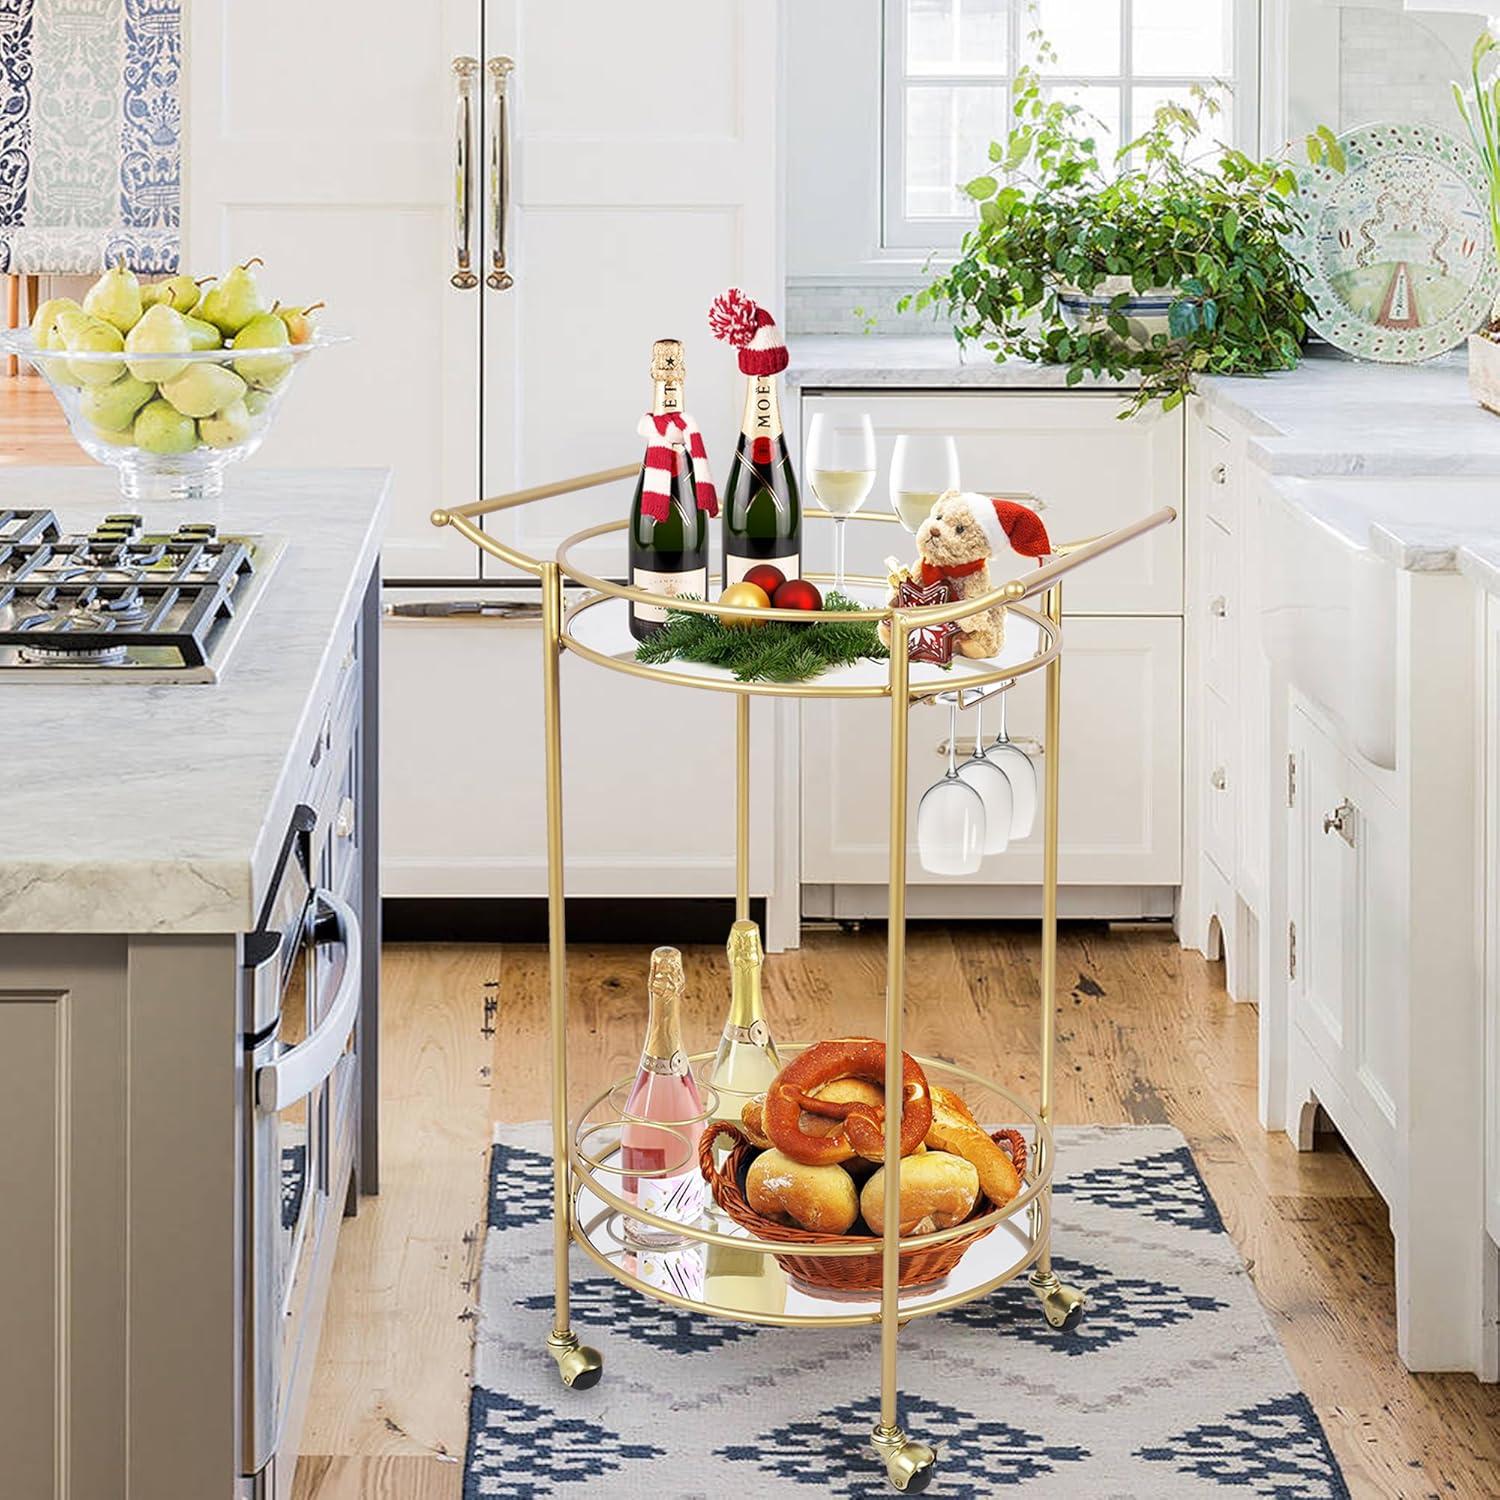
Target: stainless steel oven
x=302, y=995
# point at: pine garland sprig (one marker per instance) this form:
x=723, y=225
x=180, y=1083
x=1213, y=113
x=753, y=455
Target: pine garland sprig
x=774, y=652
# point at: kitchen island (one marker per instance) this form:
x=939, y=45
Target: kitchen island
x=188, y=888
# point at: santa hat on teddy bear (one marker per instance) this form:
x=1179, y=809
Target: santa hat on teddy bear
x=740, y=321
x=1010, y=526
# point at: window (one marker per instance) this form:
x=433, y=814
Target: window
x=950, y=66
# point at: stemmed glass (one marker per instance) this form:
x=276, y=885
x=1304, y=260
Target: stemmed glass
x=1019, y=771
x=841, y=465
x=924, y=466
x=989, y=779
x=950, y=817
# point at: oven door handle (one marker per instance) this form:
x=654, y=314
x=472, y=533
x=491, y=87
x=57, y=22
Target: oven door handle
x=299, y=1070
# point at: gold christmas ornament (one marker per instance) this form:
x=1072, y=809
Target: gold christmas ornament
x=745, y=596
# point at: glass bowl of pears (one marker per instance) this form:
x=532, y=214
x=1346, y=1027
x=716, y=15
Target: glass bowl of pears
x=170, y=381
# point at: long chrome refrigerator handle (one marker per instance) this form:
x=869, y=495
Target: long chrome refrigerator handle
x=464, y=71
x=300, y=1069
x=500, y=68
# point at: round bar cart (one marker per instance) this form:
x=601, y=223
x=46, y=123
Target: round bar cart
x=588, y=1198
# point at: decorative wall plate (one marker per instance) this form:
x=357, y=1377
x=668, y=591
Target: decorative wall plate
x=1400, y=262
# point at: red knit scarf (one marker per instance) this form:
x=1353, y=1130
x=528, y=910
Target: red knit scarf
x=932, y=572
x=666, y=437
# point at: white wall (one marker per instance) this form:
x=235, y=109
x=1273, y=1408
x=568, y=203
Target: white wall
x=1324, y=62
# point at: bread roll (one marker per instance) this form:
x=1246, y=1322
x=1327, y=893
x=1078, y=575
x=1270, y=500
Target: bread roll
x=954, y=1129
x=752, y=1124
x=935, y=1187
x=818, y=1198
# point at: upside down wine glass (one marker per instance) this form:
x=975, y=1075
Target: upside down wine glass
x=951, y=817
x=841, y=466
x=989, y=779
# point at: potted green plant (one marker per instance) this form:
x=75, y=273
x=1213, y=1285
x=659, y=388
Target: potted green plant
x=1481, y=112
x=1172, y=266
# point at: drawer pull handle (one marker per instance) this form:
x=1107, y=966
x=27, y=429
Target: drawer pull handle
x=1341, y=821
x=1220, y=779
x=343, y=819
x=1219, y=474
x=1218, y=606
x=463, y=277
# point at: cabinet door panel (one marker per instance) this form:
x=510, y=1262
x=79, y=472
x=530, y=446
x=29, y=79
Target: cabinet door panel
x=1091, y=471
x=340, y=175
x=1121, y=814
x=1220, y=612
x=1220, y=782
x=1376, y=1057
x=644, y=807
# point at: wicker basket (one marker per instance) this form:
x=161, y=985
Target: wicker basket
x=835, y=1273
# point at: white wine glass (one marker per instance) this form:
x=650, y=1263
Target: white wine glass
x=988, y=778
x=924, y=466
x=841, y=467
x=1020, y=771
x=950, y=818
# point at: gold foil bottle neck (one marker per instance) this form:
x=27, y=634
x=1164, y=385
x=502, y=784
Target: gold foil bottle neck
x=743, y=946
x=667, y=364
x=667, y=980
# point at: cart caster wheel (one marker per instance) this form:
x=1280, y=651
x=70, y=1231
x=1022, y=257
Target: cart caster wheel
x=909, y=1465
x=581, y=1368
x=1062, y=1304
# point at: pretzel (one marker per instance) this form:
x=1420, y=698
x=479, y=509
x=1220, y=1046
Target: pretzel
x=861, y=1127
x=955, y=1129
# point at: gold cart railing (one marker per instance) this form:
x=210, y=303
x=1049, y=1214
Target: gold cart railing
x=909, y=1463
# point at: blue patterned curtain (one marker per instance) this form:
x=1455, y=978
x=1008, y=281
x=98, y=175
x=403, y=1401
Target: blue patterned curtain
x=90, y=134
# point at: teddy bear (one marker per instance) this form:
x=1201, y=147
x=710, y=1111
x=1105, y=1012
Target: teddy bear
x=956, y=543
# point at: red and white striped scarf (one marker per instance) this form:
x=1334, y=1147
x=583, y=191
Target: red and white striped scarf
x=666, y=438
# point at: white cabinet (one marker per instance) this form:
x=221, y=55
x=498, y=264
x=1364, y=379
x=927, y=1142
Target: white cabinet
x=1121, y=809
x=645, y=814
x=1121, y=779
x=643, y=180
x=1488, y=653
x=1346, y=945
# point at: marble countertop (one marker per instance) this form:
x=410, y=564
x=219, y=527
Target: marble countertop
x=133, y=808
x=1330, y=416
x=1480, y=560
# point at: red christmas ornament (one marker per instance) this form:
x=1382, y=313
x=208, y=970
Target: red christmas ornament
x=766, y=576
x=797, y=593
x=932, y=643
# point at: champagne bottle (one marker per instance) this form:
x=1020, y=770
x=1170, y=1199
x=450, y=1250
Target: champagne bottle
x=664, y=1117
x=746, y=1063
x=668, y=542
x=762, y=510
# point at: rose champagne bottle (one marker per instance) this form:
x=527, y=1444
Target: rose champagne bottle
x=746, y=1063
x=664, y=1117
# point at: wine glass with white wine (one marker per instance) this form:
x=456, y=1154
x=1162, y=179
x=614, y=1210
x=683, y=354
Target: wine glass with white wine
x=841, y=467
x=924, y=466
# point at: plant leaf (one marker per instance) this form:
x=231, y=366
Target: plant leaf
x=981, y=187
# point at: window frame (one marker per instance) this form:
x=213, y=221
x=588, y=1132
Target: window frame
x=908, y=234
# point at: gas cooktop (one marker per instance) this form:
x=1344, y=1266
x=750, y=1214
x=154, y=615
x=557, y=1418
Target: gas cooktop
x=120, y=603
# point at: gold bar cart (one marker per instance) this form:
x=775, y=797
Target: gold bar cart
x=585, y=1205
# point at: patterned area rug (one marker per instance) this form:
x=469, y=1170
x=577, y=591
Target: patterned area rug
x=1172, y=1385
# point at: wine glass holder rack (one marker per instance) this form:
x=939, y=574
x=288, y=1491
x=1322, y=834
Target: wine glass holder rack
x=589, y=1204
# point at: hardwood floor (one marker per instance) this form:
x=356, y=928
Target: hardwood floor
x=32, y=429
x=1146, y=1035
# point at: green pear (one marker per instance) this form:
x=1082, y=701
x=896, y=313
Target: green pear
x=234, y=301
x=204, y=335
x=115, y=297
x=44, y=324
x=125, y=439
x=203, y=389
x=299, y=321
x=265, y=370
x=161, y=428
x=258, y=402
x=179, y=291
x=227, y=427
x=113, y=407
x=162, y=330
x=85, y=334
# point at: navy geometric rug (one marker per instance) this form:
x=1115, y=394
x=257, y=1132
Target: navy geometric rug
x=1172, y=1384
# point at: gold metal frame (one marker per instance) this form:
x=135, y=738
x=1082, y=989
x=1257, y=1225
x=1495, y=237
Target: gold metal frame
x=909, y=1463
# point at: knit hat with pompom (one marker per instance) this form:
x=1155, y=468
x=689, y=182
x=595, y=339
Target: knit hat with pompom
x=738, y=320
